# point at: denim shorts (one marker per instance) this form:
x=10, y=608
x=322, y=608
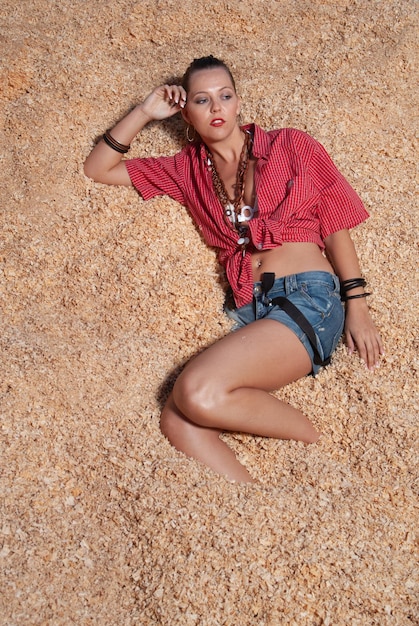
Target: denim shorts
x=315, y=294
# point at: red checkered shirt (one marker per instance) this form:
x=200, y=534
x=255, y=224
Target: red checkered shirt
x=301, y=197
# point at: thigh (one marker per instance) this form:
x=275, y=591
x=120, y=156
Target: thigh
x=264, y=354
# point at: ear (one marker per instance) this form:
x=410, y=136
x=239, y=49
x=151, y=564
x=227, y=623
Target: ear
x=239, y=106
x=185, y=116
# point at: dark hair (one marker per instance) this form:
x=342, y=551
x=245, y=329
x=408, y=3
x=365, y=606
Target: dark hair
x=205, y=63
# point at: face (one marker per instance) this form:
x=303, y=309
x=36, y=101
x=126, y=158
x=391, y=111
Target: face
x=212, y=104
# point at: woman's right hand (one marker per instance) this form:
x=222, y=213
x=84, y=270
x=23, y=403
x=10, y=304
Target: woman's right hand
x=104, y=164
x=163, y=102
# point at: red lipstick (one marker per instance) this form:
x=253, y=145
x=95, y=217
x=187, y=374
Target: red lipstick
x=217, y=122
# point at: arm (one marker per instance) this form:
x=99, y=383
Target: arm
x=360, y=330
x=104, y=164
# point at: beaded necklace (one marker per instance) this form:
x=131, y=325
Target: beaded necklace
x=236, y=215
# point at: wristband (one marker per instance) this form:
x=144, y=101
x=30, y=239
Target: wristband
x=351, y=283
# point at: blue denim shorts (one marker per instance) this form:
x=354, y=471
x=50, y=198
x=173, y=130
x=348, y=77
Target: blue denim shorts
x=315, y=294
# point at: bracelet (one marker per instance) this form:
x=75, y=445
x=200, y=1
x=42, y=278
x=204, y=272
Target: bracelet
x=358, y=295
x=115, y=145
x=351, y=283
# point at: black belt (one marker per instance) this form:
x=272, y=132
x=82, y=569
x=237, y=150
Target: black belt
x=268, y=279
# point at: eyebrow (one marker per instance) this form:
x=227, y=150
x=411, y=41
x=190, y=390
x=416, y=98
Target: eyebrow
x=220, y=89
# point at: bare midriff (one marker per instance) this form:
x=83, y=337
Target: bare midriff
x=289, y=258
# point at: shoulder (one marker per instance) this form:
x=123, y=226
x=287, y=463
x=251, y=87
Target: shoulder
x=191, y=154
x=284, y=139
x=186, y=157
x=296, y=138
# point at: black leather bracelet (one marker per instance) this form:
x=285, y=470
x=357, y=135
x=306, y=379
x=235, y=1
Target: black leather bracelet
x=351, y=283
x=358, y=295
x=115, y=145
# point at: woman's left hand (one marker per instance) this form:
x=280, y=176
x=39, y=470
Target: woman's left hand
x=361, y=334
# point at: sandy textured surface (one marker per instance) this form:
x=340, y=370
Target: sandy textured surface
x=101, y=304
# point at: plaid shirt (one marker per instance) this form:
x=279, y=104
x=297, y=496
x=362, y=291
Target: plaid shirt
x=301, y=197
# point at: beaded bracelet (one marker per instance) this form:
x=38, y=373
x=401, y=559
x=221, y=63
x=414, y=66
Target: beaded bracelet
x=115, y=145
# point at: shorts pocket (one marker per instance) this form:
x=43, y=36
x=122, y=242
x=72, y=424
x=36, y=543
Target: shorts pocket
x=322, y=296
x=241, y=317
x=329, y=331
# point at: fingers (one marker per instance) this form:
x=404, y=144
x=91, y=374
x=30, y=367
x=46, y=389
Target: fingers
x=175, y=95
x=350, y=342
x=368, y=346
x=369, y=353
x=375, y=349
x=164, y=101
x=362, y=335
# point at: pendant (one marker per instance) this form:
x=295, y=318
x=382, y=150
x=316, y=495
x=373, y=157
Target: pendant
x=246, y=214
x=230, y=213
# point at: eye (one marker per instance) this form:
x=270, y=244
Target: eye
x=226, y=96
x=200, y=100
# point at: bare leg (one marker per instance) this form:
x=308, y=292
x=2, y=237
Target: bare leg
x=201, y=443
x=227, y=388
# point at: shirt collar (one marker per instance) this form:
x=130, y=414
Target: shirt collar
x=261, y=141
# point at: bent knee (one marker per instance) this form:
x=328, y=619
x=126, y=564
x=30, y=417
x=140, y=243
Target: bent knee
x=173, y=425
x=198, y=398
x=167, y=424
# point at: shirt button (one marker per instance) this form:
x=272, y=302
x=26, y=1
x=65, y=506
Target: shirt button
x=259, y=246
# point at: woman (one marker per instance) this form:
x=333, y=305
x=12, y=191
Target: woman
x=271, y=203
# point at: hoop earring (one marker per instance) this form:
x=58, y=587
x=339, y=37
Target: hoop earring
x=190, y=139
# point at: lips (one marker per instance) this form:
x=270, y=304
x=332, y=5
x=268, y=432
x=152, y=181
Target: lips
x=217, y=122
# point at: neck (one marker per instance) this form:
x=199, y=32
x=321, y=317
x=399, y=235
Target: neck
x=228, y=150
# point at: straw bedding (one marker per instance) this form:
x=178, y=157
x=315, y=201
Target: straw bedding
x=104, y=298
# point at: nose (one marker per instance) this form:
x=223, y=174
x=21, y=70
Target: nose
x=215, y=105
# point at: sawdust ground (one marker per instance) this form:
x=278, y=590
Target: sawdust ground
x=101, y=304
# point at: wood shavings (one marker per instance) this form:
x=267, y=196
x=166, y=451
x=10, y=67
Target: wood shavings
x=102, y=300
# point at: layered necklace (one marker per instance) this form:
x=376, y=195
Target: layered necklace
x=236, y=215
